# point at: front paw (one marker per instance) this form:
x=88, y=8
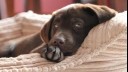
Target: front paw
x=53, y=53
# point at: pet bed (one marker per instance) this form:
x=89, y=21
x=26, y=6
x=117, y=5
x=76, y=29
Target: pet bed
x=103, y=50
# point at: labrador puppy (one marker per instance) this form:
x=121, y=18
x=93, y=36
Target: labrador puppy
x=63, y=34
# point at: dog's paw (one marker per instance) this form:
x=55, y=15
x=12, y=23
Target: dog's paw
x=53, y=54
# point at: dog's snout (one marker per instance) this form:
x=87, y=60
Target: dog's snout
x=59, y=40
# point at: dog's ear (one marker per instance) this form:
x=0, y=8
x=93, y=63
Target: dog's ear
x=103, y=13
x=46, y=31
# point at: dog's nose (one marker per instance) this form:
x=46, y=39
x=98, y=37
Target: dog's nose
x=59, y=41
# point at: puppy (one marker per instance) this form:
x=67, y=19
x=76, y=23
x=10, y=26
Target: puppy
x=63, y=34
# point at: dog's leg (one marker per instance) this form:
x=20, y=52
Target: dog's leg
x=5, y=49
x=20, y=46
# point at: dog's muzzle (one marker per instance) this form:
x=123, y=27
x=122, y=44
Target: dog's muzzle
x=53, y=53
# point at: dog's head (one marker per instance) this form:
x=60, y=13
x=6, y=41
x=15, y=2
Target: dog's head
x=68, y=27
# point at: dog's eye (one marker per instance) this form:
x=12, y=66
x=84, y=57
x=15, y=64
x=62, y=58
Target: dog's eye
x=78, y=25
x=56, y=26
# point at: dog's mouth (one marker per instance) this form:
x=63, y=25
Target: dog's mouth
x=53, y=53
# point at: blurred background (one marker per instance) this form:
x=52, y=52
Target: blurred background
x=9, y=8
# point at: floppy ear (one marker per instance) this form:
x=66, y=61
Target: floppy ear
x=45, y=33
x=103, y=13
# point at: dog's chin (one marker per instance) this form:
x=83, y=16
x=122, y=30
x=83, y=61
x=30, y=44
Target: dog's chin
x=53, y=53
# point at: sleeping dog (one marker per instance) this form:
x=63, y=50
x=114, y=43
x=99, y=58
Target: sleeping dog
x=63, y=34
